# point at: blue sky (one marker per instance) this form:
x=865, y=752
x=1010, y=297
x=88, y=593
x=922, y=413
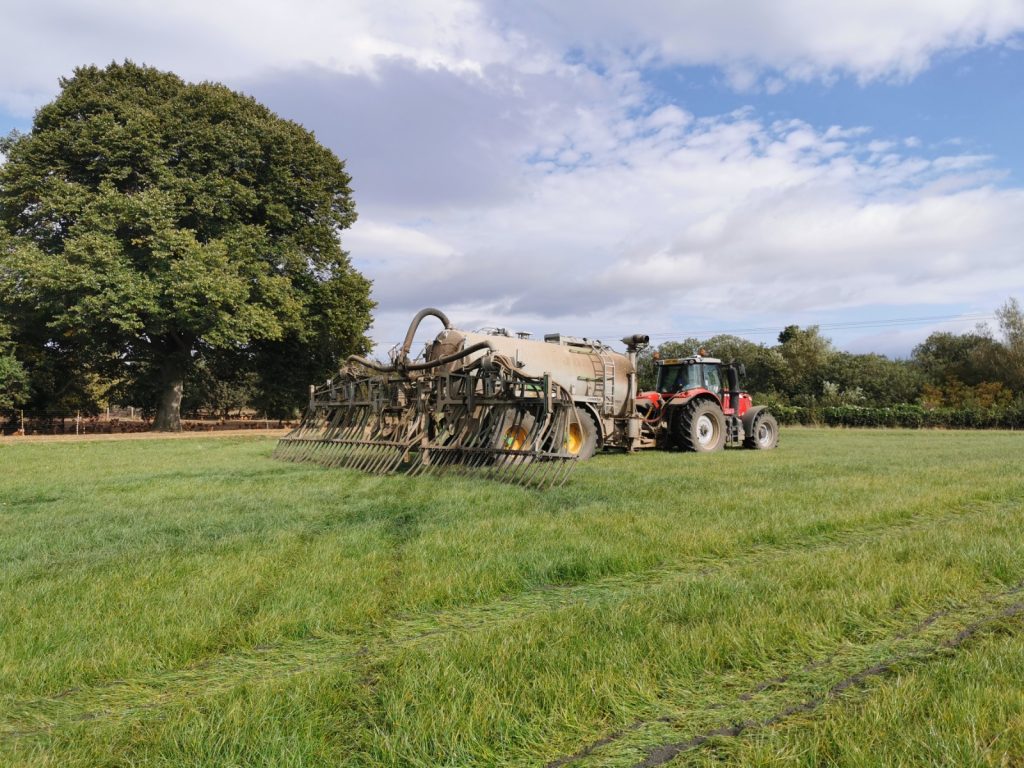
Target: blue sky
x=972, y=100
x=675, y=168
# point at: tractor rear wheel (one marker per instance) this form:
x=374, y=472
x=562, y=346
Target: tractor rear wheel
x=581, y=440
x=700, y=427
x=764, y=433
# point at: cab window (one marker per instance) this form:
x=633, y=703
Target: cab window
x=677, y=378
x=713, y=379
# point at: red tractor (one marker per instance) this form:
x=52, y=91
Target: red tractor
x=691, y=407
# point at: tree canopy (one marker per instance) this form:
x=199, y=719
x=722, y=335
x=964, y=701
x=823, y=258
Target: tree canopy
x=152, y=227
x=976, y=369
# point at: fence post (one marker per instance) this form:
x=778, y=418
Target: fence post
x=78, y=418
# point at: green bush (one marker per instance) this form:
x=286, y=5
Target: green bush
x=906, y=415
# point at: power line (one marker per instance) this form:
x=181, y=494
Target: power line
x=893, y=322
x=845, y=325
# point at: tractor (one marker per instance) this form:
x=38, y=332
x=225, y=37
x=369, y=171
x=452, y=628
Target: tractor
x=692, y=406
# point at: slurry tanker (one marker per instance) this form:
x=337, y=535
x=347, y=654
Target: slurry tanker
x=514, y=408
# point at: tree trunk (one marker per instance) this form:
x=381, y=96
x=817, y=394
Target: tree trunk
x=168, y=413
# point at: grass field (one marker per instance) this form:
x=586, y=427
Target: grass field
x=853, y=598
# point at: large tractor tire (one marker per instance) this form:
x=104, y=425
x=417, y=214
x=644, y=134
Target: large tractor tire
x=700, y=427
x=582, y=439
x=764, y=433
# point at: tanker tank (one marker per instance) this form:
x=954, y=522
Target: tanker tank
x=591, y=372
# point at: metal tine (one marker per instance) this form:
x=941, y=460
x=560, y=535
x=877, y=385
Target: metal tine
x=309, y=452
x=419, y=466
x=396, y=459
x=382, y=454
x=441, y=459
x=531, y=469
x=313, y=452
x=357, y=455
x=535, y=475
x=520, y=460
x=413, y=468
x=550, y=471
x=327, y=453
x=366, y=454
x=303, y=451
x=389, y=455
x=445, y=460
x=541, y=469
x=318, y=453
x=373, y=455
x=550, y=463
x=543, y=432
x=393, y=458
x=341, y=455
x=332, y=453
x=560, y=469
x=560, y=477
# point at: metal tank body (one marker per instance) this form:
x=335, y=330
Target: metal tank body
x=592, y=373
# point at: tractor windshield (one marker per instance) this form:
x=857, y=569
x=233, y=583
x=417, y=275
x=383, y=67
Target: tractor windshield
x=676, y=378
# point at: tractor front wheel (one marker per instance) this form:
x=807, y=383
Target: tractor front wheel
x=764, y=433
x=700, y=427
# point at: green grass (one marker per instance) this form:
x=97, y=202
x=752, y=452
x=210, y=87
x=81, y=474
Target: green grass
x=195, y=603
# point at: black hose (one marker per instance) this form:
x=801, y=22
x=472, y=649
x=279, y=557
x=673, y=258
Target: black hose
x=415, y=324
x=421, y=366
x=370, y=363
x=450, y=358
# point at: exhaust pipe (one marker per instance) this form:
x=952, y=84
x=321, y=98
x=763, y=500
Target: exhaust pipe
x=633, y=343
x=734, y=399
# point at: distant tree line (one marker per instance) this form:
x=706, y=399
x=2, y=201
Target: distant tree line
x=807, y=379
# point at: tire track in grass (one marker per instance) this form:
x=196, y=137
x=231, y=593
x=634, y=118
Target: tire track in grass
x=222, y=672
x=666, y=752
x=1006, y=603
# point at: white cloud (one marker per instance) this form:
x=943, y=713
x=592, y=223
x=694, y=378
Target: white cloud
x=798, y=39
x=233, y=39
x=716, y=220
x=753, y=42
x=511, y=165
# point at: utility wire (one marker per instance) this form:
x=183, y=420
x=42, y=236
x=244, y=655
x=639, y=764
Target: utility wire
x=893, y=322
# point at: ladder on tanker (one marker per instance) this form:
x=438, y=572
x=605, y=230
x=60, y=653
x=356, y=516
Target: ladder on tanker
x=604, y=384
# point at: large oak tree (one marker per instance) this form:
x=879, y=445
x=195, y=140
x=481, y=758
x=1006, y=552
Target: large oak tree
x=147, y=224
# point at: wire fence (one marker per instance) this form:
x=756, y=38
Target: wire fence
x=119, y=420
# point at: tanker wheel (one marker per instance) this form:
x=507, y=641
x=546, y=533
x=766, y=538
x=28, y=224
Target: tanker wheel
x=514, y=435
x=700, y=427
x=581, y=440
x=764, y=433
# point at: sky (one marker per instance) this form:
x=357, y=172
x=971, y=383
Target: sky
x=599, y=168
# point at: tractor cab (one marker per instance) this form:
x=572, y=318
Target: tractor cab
x=685, y=373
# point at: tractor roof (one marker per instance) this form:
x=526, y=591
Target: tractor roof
x=687, y=360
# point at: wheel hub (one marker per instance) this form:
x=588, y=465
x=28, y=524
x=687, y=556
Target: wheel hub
x=705, y=430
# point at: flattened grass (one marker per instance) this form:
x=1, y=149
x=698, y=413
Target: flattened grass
x=193, y=602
